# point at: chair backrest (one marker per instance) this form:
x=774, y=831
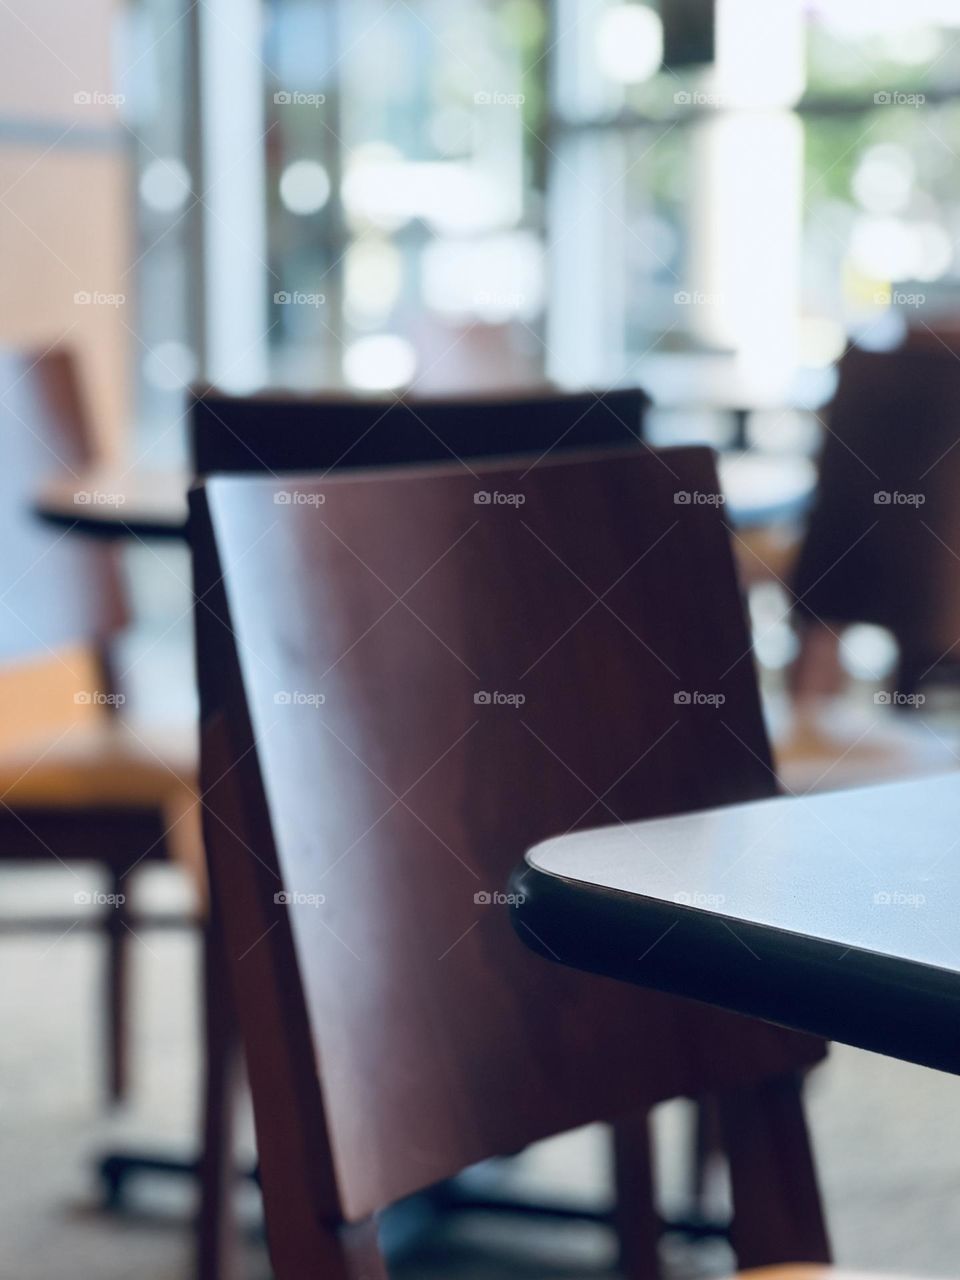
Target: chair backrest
x=402, y=688
x=55, y=590
x=275, y=433
x=883, y=540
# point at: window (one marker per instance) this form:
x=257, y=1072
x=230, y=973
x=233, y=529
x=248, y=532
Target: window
x=494, y=191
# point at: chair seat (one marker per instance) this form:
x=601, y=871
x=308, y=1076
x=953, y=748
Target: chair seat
x=824, y=744
x=105, y=763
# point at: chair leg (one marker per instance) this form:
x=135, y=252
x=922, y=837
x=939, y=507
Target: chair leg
x=778, y=1216
x=816, y=672
x=216, y=1237
x=911, y=668
x=635, y=1215
x=706, y=1149
x=361, y=1252
x=310, y=1248
x=117, y=989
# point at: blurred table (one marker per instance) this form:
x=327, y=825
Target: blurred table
x=837, y=914
x=135, y=503
x=715, y=382
x=760, y=489
x=763, y=489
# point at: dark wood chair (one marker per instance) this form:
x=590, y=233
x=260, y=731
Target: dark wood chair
x=882, y=546
x=883, y=539
x=371, y=776
x=276, y=432
x=79, y=782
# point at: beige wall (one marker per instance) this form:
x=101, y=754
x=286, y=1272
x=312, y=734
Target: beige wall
x=65, y=199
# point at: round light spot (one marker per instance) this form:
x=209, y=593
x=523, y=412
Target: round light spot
x=380, y=362
x=629, y=43
x=373, y=278
x=822, y=341
x=304, y=187
x=868, y=652
x=883, y=180
x=165, y=185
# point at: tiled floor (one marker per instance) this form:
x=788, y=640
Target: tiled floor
x=887, y=1135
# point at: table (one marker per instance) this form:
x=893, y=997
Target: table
x=765, y=488
x=133, y=503
x=715, y=381
x=836, y=914
x=147, y=504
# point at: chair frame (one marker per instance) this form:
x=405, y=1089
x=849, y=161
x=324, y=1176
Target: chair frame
x=311, y=1225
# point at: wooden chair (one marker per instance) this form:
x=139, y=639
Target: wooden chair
x=882, y=546
x=370, y=778
x=79, y=781
x=275, y=432
x=884, y=533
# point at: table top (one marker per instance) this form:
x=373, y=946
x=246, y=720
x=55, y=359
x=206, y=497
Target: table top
x=142, y=503
x=719, y=381
x=762, y=489
x=837, y=914
x=108, y=502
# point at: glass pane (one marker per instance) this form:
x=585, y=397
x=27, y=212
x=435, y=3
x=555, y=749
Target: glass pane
x=857, y=50
x=153, y=76
x=882, y=215
x=406, y=179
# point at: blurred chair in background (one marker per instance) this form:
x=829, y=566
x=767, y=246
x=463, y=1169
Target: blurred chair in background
x=882, y=546
x=395, y=1032
x=80, y=779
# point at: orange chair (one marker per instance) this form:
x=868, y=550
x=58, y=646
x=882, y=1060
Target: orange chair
x=81, y=781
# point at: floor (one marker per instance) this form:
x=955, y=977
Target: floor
x=887, y=1137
